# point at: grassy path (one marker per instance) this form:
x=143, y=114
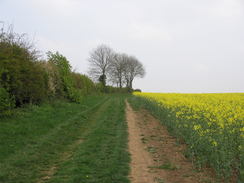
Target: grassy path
x=66, y=143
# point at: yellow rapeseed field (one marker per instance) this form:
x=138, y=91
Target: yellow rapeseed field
x=211, y=124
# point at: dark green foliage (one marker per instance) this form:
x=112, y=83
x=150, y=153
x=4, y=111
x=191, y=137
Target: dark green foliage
x=20, y=73
x=102, y=80
x=83, y=83
x=6, y=103
x=137, y=90
x=67, y=87
x=111, y=89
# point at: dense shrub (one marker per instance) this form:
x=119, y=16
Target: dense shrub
x=54, y=82
x=137, y=90
x=68, y=84
x=20, y=72
x=83, y=83
x=6, y=103
x=111, y=89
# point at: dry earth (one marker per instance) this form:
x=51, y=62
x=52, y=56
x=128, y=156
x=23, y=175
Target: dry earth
x=156, y=156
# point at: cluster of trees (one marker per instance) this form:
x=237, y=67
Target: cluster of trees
x=25, y=78
x=119, y=69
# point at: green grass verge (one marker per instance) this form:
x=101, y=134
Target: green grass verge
x=40, y=139
x=102, y=157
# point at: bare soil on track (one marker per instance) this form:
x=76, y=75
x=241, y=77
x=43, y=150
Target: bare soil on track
x=156, y=157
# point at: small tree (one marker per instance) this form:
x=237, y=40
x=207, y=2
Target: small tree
x=133, y=69
x=99, y=60
x=117, y=69
x=62, y=66
x=65, y=74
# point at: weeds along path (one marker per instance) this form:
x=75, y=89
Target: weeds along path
x=66, y=143
x=156, y=156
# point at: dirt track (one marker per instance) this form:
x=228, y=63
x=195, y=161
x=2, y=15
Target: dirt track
x=156, y=157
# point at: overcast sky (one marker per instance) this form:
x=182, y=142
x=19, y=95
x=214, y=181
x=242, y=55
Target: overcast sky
x=185, y=45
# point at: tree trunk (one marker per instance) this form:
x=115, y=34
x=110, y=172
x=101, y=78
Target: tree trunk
x=120, y=82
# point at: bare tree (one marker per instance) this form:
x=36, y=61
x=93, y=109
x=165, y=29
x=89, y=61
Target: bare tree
x=133, y=69
x=99, y=60
x=117, y=69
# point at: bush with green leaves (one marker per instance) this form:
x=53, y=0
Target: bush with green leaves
x=6, y=103
x=20, y=72
x=83, y=83
x=67, y=86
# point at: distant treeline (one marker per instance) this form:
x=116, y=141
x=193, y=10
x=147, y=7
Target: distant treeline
x=27, y=79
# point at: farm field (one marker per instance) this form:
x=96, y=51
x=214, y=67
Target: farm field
x=124, y=138
x=66, y=142
x=74, y=77
x=212, y=126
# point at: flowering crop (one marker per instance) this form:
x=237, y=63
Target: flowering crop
x=212, y=125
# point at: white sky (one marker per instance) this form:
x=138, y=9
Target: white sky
x=185, y=45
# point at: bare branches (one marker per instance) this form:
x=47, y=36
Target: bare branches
x=99, y=61
x=119, y=68
x=10, y=38
x=133, y=69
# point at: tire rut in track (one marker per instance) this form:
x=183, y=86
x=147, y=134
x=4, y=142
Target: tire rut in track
x=64, y=156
